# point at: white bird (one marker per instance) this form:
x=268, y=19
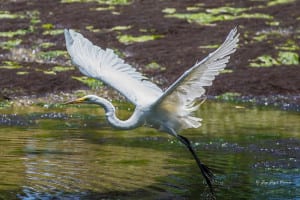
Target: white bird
x=168, y=111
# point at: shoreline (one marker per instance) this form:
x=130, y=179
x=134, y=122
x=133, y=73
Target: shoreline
x=281, y=102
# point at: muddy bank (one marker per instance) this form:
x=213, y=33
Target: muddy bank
x=161, y=38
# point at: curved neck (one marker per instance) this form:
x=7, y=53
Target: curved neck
x=134, y=121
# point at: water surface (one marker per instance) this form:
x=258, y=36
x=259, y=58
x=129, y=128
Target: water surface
x=69, y=152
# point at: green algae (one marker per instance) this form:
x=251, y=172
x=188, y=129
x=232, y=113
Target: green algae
x=107, y=30
x=283, y=58
x=129, y=39
x=210, y=46
x=290, y=45
x=90, y=82
x=288, y=58
x=226, y=71
x=47, y=26
x=22, y=73
x=207, y=18
x=119, y=53
x=10, y=65
x=49, y=29
x=49, y=72
x=269, y=35
x=231, y=10
x=273, y=23
x=62, y=68
x=169, y=10
x=57, y=69
x=46, y=45
x=264, y=61
x=11, y=34
x=53, y=32
x=121, y=28
x=216, y=14
x=278, y=2
x=260, y=37
x=9, y=44
x=34, y=16
x=92, y=29
x=48, y=55
x=155, y=66
x=104, y=8
x=109, y=2
x=9, y=15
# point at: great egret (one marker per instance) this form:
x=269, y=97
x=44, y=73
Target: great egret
x=168, y=111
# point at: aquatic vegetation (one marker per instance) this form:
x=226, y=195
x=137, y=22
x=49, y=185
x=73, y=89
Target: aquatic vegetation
x=8, y=15
x=49, y=72
x=11, y=34
x=46, y=45
x=119, y=53
x=48, y=55
x=22, y=73
x=90, y=82
x=115, y=13
x=216, y=14
x=288, y=58
x=277, y=31
x=62, y=68
x=92, y=29
x=110, y=2
x=169, y=10
x=290, y=45
x=49, y=29
x=264, y=61
x=129, y=39
x=226, y=71
x=121, y=28
x=10, y=65
x=210, y=46
x=206, y=18
x=10, y=44
x=271, y=32
x=260, y=37
x=110, y=7
x=34, y=16
x=283, y=58
x=47, y=26
x=154, y=66
x=53, y=32
x=278, y=2
x=273, y=23
x=231, y=10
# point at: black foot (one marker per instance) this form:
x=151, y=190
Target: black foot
x=206, y=172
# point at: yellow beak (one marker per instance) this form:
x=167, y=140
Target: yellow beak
x=76, y=101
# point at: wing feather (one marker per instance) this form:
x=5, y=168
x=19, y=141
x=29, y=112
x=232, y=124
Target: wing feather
x=106, y=66
x=181, y=95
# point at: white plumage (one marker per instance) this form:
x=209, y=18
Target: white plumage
x=168, y=111
x=106, y=66
x=180, y=97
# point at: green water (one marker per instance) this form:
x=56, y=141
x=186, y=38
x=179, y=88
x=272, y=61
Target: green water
x=69, y=152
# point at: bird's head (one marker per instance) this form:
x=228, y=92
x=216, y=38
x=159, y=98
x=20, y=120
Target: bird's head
x=85, y=99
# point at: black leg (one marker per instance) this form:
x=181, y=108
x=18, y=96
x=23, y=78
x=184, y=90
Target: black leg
x=207, y=174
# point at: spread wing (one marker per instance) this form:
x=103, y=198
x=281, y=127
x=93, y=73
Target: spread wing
x=180, y=97
x=106, y=66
